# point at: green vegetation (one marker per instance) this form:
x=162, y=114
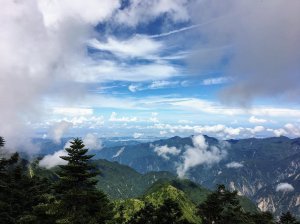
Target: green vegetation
x=72, y=194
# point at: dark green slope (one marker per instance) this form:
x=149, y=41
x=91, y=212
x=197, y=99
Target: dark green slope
x=120, y=181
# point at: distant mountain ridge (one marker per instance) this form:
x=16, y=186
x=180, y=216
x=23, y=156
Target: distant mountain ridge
x=265, y=163
x=262, y=165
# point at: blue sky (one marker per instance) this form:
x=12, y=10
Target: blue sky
x=151, y=68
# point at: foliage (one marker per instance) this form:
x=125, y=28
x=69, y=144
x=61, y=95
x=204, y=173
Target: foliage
x=223, y=206
x=288, y=218
x=20, y=194
x=78, y=199
x=168, y=213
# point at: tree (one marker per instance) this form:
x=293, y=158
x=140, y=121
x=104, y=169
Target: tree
x=287, y=218
x=263, y=218
x=78, y=199
x=222, y=206
x=2, y=142
x=168, y=213
x=20, y=193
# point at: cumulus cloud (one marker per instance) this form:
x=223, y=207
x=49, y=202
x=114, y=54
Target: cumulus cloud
x=260, y=64
x=200, y=153
x=39, y=42
x=166, y=151
x=91, y=141
x=59, y=129
x=287, y=130
x=284, y=187
x=234, y=165
x=115, y=118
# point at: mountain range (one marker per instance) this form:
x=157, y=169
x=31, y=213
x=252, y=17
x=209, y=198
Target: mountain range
x=266, y=170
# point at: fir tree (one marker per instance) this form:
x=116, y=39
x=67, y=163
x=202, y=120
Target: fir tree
x=79, y=200
x=222, y=206
x=287, y=218
x=19, y=193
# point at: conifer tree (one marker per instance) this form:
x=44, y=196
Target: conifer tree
x=79, y=200
x=287, y=218
x=222, y=206
x=19, y=193
x=2, y=141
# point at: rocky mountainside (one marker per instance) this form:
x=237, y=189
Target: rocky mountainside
x=254, y=167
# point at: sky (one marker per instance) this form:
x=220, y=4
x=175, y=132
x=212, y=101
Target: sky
x=137, y=68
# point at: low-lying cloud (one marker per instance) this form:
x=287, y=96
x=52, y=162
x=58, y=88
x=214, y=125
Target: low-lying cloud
x=92, y=142
x=284, y=187
x=166, y=151
x=200, y=153
x=52, y=160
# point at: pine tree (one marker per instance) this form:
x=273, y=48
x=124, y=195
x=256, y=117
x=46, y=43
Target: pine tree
x=79, y=200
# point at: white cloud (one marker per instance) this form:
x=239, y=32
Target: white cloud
x=72, y=111
x=107, y=70
x=215, y=81
x=288, y=130
x=254, y=119
x=154, y=117
x=166, y=151
x=59, y=129
x=133, y=88
x=115, y=118
x=234, y=165
x=40, y=41
x=285, y=187
x=280, y=132
x=92, y=11
x=200, y=153
x=261, y=65
x=163, y=132
x=184, y=122
x=138, y=46
x=137, y=135
x=91, y=141
x=140, y=11
x=161, y=84
x=292, y=129
x=52, y=160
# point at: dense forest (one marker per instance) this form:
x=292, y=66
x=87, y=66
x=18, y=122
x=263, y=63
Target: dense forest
x=73, y=198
